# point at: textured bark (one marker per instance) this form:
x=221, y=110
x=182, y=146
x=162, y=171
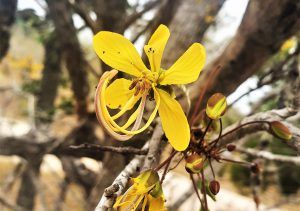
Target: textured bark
x=7, y=18
x=110, y=14
x=50, y=78
x=188, y=26
x=61, y=15
x=28, y=189
x=265, y=26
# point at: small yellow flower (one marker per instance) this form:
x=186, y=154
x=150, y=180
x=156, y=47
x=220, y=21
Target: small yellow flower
x=145, y=192
x=120, y=54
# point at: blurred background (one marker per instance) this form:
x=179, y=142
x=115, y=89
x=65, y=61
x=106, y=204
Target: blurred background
x=48, y=74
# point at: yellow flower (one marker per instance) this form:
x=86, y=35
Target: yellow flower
x=145, y=192
x=120, y=54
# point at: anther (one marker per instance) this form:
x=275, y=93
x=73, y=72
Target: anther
x=133, y=84
x=137, y=89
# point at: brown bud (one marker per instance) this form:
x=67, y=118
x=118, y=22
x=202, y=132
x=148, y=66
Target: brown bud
x=230, y=147
x=194, y=163
x=214, y=187
x=254, y=168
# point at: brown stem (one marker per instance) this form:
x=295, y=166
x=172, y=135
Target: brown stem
x=213, y=74
x=211, y=167
x=236, y=161
x=240, y=126
x=204, y=190
x=206, y=129
x=165, y=171
x=175, y=166
x=196, y=189
x=215, y=142
x=165, y=161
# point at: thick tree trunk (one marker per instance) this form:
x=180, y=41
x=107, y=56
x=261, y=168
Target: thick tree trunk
x=265, y=26
x=61, y=15
x=28, y=189
x=7, y=18
x=50, y=79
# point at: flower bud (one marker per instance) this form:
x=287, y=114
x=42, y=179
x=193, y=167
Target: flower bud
x=194, y=163
x=230, y=147
x=214, y=187
x=280, y=130
x=254, y=168
x=216, y=106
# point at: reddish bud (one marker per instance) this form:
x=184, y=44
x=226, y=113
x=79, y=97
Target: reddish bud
x=230, y=147
x=194, y=164
x=280, y=130
x=254, y=168
x=214, y=187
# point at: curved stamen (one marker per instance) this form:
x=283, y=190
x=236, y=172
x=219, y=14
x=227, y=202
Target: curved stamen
x=126, y=107
x=114, y=124
x=100, y=115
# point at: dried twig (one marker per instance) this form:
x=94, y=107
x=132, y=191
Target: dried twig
x=99, y=148
x=270, y=156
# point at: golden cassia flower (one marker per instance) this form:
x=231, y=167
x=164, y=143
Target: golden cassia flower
x=145, y=192
x=120, y=54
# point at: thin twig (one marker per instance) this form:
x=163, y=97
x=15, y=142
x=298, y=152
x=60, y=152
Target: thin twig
x=196, y=190
x=204, y=189
x=99, y=148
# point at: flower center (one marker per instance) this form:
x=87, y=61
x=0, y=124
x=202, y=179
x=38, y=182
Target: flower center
x=140, y=85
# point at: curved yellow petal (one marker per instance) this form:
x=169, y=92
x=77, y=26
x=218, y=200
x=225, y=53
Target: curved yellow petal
x=187, y=68
x=156, y=204
x=118, y=94
x=156, y=45
x=119, y=53
x=174, y=121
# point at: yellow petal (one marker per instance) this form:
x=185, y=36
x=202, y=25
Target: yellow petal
x=118, y=94
x=118, y=52
x=156, y=204
x=174, y=121
x=156, y=45
x=187, y=68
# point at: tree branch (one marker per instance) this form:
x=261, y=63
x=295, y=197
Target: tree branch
x=133, y=17
x=270, y=156
x=273, y=115
x=108, y=198
x=98, y=148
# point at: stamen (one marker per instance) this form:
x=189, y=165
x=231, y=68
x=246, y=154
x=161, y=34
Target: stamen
x=100, y=115
x=137, y=89
x=109, y=123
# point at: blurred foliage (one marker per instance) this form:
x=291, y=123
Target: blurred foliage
x=289, y=178
x=240, y=175
x=31, y=87
x=67, y=105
